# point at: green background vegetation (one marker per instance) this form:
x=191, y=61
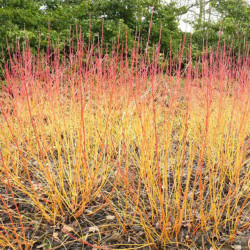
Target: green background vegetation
x=128, y=16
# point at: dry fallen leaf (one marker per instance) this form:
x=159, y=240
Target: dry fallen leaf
x=237, y=247
x=66, y=229
x=110, y=217
x=190, y=196
x=55, y=236
x=40, y=246
x=93, y=229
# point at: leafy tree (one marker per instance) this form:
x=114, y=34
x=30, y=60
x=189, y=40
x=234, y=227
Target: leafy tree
x=124, y=17
x=234, y=20
x=15, y=15
x=128, y=16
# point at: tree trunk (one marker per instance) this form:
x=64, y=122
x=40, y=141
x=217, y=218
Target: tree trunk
x=201, y=5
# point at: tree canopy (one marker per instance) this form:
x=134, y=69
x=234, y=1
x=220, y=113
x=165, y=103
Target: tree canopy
x=34, y=19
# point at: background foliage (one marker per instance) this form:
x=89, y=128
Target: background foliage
x=128, y=16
